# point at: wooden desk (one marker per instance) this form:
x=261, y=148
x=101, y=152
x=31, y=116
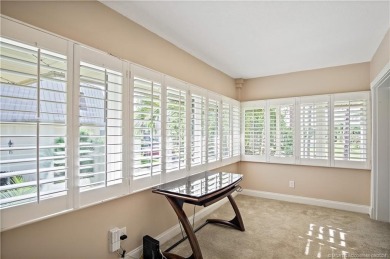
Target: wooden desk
x=202, y=189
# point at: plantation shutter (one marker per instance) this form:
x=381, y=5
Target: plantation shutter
x=198, y=129
x=236, y=134
x=147, y=141
x=214, y=144
x=34, y=169
x=176, y=125
x=100, y=80
x=281, y=114
x=314, y=130
x=226, y=131
x=350, y=127
x=254, y=131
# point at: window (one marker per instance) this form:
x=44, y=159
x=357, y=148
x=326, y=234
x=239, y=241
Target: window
x=100, y=137
x=314, y=130
x=175, y=146
x=33, y=124
x=34, y=168
x=236, y=129
x=198, y=130
x=325, y=130
x=147, y=156
x=281, y=131
x=226, y=131
x=100, y=127
x=213, y=131
x=350, y=127
x=69, y=115
x=230, y=129
x=254, y=128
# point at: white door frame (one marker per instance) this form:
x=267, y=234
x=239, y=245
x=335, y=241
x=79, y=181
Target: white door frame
x=380, y=174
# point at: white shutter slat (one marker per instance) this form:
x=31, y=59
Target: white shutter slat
x=314, y=132
x=147, y=135
x=100, y=87
x=226, y=131
x=350, y=126
x=213, y=149
x=281, y=131
x=33, y=103
x=198, y=130
x=101, y=80
x=254, y=131
x=236, y=130
x=175, y=147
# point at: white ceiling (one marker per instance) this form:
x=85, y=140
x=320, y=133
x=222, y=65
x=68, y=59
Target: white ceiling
x=254, y=39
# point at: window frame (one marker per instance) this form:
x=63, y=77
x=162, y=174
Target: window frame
x=74, y=200
x=97, y=58
x=181, y=172
x=218, y=162
x=236, y=132
x=16, y=215
x=363, y=95
x=252, y=105
x=140, y=184
x=203, y=166
x=232, y=158
x=278, y=103
x=312, y=161
x=297, y=159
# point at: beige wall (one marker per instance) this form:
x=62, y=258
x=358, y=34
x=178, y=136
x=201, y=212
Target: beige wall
x=83, y=233
x=345, y=185
x=381, y=57
x=334, y=184
x=340, y=79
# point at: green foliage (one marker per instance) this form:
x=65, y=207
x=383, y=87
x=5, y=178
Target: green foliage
x=17, y=191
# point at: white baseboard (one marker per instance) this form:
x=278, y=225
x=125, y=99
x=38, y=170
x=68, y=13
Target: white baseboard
x=173, y=231
x=309, y=201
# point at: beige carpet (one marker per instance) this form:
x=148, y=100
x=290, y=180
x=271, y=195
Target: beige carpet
x=276, y=229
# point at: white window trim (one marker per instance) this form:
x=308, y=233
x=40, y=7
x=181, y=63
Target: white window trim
x=354, y=164
x=17, y=216
x=218, y=162
x=202, y=167
x=308, y=161
x=30, y=212
x=276, y=102
x=83, y=54
x=180, y=85
x=233, y=158
x=250, y=106
x=297, y=159
x=141, y=184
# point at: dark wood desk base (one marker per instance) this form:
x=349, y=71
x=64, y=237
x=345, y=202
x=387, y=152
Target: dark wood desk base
x=236, y=222
x=177, y=205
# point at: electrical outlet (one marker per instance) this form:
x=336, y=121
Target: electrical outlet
x=291, y=184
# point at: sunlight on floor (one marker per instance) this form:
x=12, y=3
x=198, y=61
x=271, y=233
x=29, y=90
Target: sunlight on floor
x=320, y=237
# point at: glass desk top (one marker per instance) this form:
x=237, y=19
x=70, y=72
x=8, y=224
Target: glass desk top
x=200, y=184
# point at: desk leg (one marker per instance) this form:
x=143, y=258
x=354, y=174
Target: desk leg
x=236, y=222
x=196, y=253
